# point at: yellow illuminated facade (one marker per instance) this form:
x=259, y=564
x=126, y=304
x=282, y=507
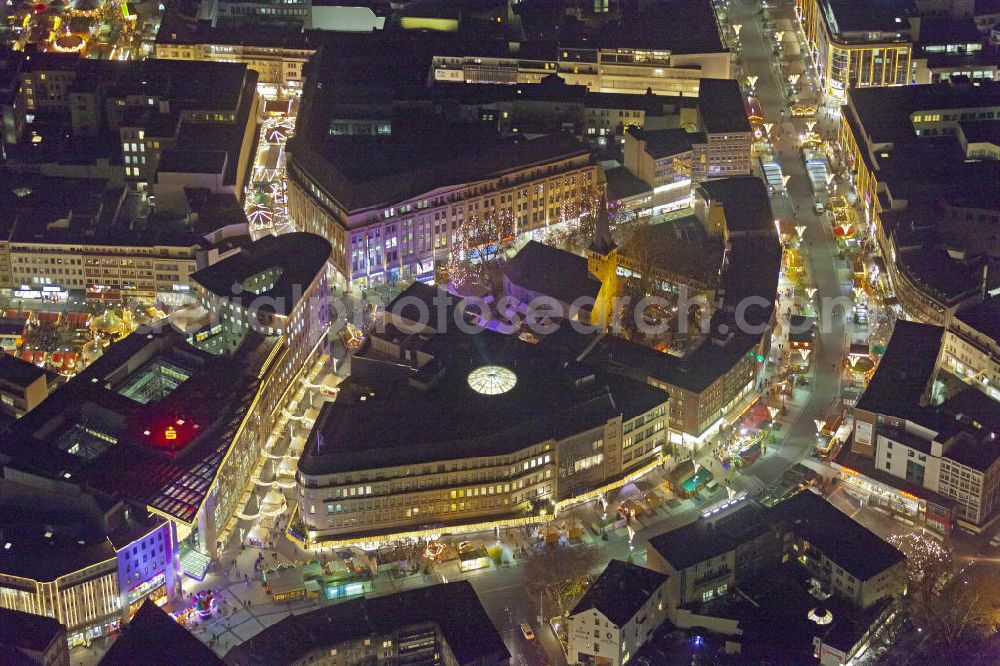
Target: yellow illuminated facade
x=856, y=59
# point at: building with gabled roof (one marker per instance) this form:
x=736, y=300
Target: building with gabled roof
x=617, y=614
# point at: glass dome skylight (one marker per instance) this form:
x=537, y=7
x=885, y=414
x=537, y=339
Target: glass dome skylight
x=492, y=380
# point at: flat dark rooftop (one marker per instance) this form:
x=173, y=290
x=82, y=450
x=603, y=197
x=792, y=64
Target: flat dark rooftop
x=885, y=112
x=18, y=372
x=720, y=104
x=707, y=538
x=905, y=438
x=453, y=607
x=981, y=131
x=904, y=371
x=447, y=419
x=367, y=171
x=984, y=317
x=939, y=274
x=948, y=30
x=974, y=405
x=620, y=591
x=548, y=270
x=76, y=536
x=855, y=548
x=189, y=84
x=192, y=161
x=621, y=184
x=678, y=26
x=745, y=200
x=979, y=451
x=668, y=142
x=296, y=259
x=866, y=15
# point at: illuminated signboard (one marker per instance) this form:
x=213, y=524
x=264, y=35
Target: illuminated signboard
x=170, y=434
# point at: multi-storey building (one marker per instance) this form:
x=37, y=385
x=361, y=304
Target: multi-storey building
x=617, y=615
x=23, y=385
x=277, y=52
x=728, y=134
x=663, y=160
x=442, y=624
x=470, y=450
x=952, y=47
x=82, y=557
x=855, y=46
x=666, y=47
x=156, y=126
x=928, y=198
x=971, y=346
x=390, y=205
x=706, y=559
x=177, y=429
x=42, y=640
x=76, y=234
x=926, y=456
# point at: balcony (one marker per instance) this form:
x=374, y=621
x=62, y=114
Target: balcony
x=709, y=579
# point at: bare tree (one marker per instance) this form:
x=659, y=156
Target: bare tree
x=952, y=606
x=564, y=571
x=480, y=247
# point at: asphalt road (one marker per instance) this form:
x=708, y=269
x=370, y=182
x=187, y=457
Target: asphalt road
x=822, y=248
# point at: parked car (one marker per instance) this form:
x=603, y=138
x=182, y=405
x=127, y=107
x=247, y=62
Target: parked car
x=818, y=207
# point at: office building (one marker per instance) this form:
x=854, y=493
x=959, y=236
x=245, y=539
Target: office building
x=443, y=624
x=927, y=456
x=470, y=450
x=919, y=158
x=722, y=571
x=267, y=37
x=78, y=234
x=156, y=126
x=83, y=557
x=389, y=204
x=952, y=47
x=725, y=152
x=617, y=615
x=971, y=346
x=666, y=47
x=277, y=287
x=858, y=45
x=23, y=385
x=178, y=429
